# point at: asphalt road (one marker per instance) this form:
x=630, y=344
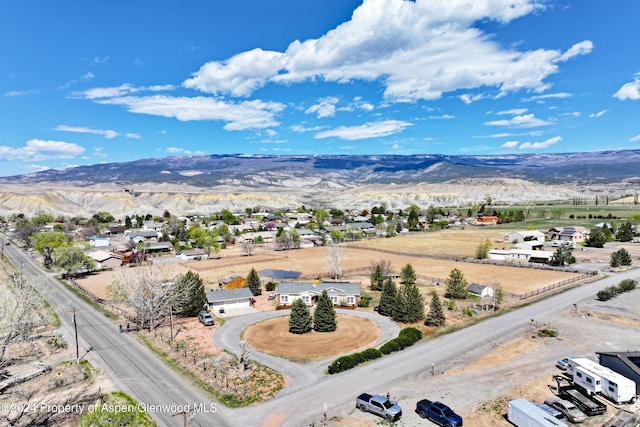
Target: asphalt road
x=147, y=380
x=130, y=365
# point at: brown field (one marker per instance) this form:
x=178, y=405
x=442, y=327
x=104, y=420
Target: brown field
x=313, y=262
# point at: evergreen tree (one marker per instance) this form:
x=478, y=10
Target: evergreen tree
x=625, y=232
x=408, y=275
x=253, y=282
x=400, y=310
x=563, y=255
x=457, y=284
x=621, y=258
x=597, y=238
x=387, y=298
x=189, y=296
x=300, y=318
x=409, y=304
x=436, y=313
x=324, y=318
x=377, y=278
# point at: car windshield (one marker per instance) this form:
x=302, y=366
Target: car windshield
x=388, y=404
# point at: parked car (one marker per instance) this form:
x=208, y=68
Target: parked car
x=563, y=363
x=206, y=318
x=569, y=410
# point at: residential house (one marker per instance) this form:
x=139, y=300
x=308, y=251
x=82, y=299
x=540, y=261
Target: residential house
x=486, y=220
x=266, y=236
x=106, y=259
x=225, y=300
x=345, y=294
x=141, y=235
x=569, y=234
x=192, y=254
x=151, y=247
x=152, y=225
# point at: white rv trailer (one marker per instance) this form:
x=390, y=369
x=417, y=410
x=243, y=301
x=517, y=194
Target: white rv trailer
x=523, y=413
x=597, y=379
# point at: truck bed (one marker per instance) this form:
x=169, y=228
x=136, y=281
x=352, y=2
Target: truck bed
x=587, y=404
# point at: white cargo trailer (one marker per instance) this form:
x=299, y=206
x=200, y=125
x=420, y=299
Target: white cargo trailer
x=523, y=413
x=597, y=379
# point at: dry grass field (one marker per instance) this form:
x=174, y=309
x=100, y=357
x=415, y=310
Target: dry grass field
x=418, y=250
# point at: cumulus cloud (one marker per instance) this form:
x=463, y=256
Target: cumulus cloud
x=107, y=133
x=325, y=108
x=520, y=121
x=239, y=116
x=418, y=50
x=38, y=150
x=509, y=144
x=635, y=138
x=630, y=91
x=365, y=131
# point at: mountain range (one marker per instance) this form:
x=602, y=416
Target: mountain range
x=208, y=184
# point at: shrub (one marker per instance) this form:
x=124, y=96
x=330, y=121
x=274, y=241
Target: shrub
x=270, y=286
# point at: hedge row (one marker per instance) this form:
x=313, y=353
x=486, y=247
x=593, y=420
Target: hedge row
x=613, y=291
x=407, y=337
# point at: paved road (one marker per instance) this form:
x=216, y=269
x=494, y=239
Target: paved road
x=125, y=361
x=148, y=380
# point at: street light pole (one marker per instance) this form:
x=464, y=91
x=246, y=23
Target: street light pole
x=75, y=327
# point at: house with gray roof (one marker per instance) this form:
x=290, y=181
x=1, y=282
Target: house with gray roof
x=343, y=294
x=229, y=299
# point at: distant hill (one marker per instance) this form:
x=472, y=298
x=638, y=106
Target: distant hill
x=207, y=184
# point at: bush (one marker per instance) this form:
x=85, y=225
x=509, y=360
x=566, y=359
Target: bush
x=349, y=361
x=414, y=334
x=270, y=286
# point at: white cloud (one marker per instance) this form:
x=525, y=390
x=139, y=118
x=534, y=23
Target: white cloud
x=13, y=93
x=239, y=116
x=133, y=135
x=303, y=129
x=325, y=108
x=599, y=113
x=107, y=133
x=629, y=91
x=442, y=117
x=520, y=121
x=368, y=130
x=512, y=112
x=39, y=150
x=468, y=98
x=509, y=144
x=635, y=138
x=542, y=144
x=418, y=50
x=122, y=90
x=558, y=95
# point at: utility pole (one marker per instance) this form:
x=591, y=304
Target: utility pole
x=75, y=327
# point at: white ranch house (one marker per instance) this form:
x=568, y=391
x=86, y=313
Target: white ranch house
x=229, y=299
x=341, y=293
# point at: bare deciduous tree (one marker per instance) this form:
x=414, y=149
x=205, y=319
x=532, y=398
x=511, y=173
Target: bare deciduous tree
x=146, y=289
x=334, y=252
x=248, y=247
x=21, y=309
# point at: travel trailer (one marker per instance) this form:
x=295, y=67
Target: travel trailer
x=597, y=379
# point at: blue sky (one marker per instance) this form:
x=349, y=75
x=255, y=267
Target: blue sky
x=112, y=81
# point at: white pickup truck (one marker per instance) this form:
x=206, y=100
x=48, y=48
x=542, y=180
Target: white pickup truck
x=379, y=405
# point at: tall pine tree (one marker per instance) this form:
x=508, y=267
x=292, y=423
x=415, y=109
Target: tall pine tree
x=414, y=301
x=436, y=312
x=377, y=278
x=408, y=275
x=300, y=318
x=457, y=284
x=253, y=282
x=387, y=298
x=324, y=318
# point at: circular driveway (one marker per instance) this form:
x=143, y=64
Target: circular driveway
x=298, y=375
